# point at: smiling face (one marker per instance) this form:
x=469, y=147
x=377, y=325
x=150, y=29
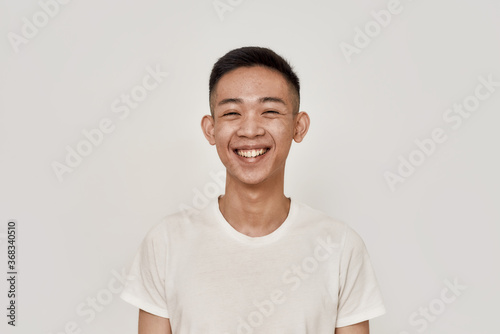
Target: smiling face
x=253, y=123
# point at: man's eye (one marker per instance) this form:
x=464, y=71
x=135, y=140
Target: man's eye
x=230, y=113
x=272, y=111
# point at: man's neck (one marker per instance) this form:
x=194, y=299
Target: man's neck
x=254, y=210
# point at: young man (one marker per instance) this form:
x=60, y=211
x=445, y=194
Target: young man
x=254, y=260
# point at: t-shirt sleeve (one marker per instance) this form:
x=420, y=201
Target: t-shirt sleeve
x=145, y=284
x=360, y=298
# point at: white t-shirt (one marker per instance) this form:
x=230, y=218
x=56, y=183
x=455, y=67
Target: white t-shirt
x=310, y=275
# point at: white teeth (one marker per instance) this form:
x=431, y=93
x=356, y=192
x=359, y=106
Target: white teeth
x=251, y=153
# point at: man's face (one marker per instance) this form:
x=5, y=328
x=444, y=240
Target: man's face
x=253, y=123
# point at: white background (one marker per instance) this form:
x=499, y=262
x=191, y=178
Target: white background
x=76, y=236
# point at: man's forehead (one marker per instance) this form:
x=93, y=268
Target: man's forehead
x=265, y=99
x=260, y=82
x=255, y=73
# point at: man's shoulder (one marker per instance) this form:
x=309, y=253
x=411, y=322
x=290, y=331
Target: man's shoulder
x=181, y=219
x=314, y=217
x=318, y=221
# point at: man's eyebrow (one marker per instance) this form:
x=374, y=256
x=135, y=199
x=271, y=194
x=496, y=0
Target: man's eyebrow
x=230, y=100
x=261, y=100
x=271, y=99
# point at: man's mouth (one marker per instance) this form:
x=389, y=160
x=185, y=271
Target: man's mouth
x=252, y=153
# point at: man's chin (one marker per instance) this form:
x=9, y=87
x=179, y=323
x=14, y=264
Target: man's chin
x=248, y=180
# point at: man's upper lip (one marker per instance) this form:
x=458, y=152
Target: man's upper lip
x=250, y=147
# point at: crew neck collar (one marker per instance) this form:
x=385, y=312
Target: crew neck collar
x=276, y=234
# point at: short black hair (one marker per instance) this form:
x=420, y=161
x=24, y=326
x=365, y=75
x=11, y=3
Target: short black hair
x=250, y=56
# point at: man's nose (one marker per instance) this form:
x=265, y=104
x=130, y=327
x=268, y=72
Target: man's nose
x=251, y=126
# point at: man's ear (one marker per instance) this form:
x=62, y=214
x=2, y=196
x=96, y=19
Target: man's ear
x=208, y=128
x=301, y=126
